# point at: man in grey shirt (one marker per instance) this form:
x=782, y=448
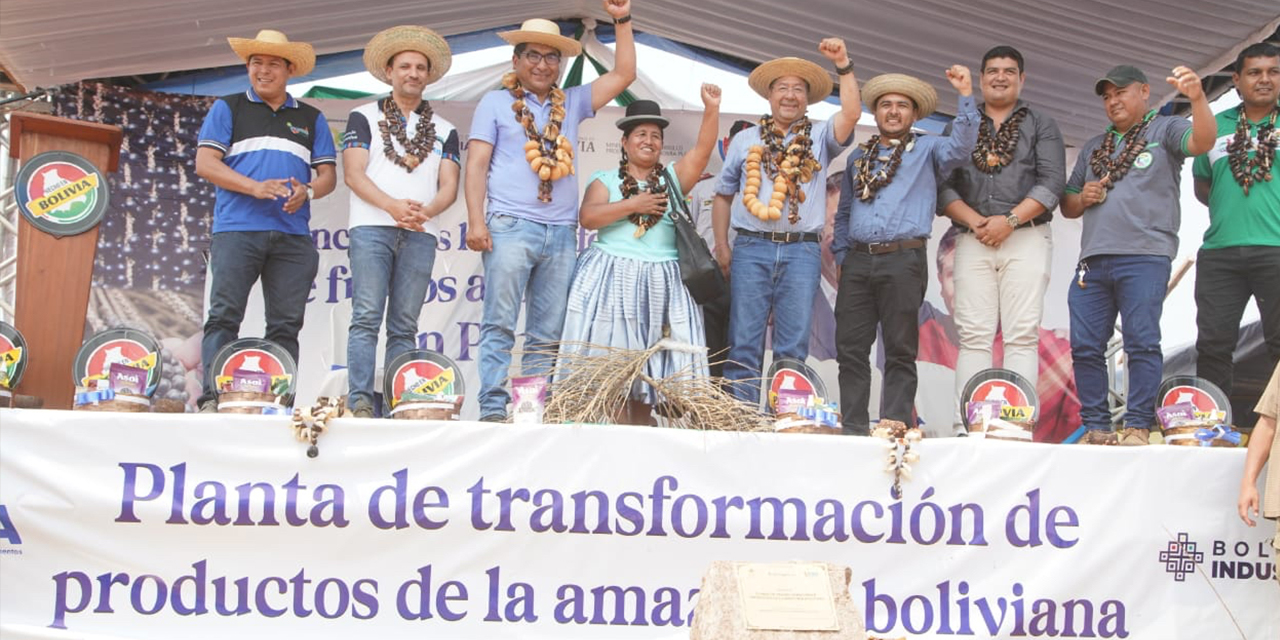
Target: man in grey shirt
x=1002, y=200
x=1125, y=185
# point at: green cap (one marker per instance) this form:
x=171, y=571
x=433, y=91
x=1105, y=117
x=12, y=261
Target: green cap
x=1121, y=76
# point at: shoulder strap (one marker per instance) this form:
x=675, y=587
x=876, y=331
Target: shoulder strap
x=680, y=205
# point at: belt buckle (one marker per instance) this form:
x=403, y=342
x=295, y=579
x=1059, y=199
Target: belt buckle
x=873, y=248
x=783, y=237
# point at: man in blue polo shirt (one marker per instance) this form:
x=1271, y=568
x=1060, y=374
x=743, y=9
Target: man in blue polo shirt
x=525, y=218
x=258, y=148
x=1125, y=185
x=772, y=192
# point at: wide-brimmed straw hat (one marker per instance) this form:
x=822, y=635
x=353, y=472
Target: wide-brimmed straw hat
x=642, y=112
x=544, y=32
x=270, y=42
x=818, y=79
x=384, y=46
x=920, y=92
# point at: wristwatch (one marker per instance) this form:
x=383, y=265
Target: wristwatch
x=1013, y=220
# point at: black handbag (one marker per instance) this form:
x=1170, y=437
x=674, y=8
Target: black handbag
x=698, y=268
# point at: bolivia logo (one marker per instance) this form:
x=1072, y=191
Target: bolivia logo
x=13, y=350
x=423, y=373
x=117, y=346
x=1205, y=395
x=61, y=193
x=258, y=355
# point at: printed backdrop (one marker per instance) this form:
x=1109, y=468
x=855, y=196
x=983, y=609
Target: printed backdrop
x=151, y=526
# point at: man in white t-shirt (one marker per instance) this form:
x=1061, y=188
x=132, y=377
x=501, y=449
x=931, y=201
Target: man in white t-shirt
x=402, y=163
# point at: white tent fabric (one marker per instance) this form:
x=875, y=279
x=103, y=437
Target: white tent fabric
x=1067, y=43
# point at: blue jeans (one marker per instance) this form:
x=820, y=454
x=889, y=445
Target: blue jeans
x=530, y=261
x=1134, y=287
x=391, y=271
x=769, y=276
x=287, y=265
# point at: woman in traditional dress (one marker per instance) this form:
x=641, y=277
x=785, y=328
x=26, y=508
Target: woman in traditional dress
x=627, y=292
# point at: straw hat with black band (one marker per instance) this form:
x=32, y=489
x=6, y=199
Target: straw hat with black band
x=543, y=32
x=270, y=42
x=816, y=77
x=384, y=46
x=920, y=92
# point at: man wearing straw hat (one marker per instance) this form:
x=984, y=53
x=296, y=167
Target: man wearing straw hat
x=522, y=194
x=258, y=148
x=1125, y=186
x=401, y=162
x=1002, y=201
x=771, y=191
x=887, y=205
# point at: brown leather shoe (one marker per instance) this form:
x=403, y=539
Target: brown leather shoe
x=1134, y=437
x=1099, y=436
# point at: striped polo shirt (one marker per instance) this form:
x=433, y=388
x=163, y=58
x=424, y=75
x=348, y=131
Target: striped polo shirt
x=262, y=144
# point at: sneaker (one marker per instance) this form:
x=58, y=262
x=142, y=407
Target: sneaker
x=209, y=406
x=493, y=417
x=362, y=411
x=1134, y=437
x=1099, y=436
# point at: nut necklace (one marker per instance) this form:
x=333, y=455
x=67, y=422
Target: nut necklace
x=994, y=152
x=866, y=179
x=392, y=125
x=656, y=182
x=1112, y=170
x=1248, y=170
x=788, y=166
x=549, y=153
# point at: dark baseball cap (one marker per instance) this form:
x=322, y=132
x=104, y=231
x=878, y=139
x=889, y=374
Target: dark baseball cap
x=1121, y=76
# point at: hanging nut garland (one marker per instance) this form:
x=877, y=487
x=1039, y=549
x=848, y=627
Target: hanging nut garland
x=992, y=152
x=1244, y=169
x=788, y=166
x=549, y=153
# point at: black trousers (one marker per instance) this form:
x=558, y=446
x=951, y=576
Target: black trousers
x=883, y=291
x=715, y=321
x=1225, y=280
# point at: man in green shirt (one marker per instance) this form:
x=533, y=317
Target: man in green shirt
x=1240, y=257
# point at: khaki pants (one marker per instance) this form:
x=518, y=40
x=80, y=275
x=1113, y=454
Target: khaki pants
x=1001, y=287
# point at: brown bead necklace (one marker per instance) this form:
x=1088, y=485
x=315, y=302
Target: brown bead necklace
x=866, y=179
x=657, y=183
x=392, y=125
x=789, y=165
x=1248, y=170
x=549, y=153
x=993, y=152
x=1112, y=170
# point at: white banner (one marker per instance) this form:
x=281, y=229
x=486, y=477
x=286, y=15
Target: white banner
x=151, y=526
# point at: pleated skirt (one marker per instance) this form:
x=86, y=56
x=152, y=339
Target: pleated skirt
x=632, y=304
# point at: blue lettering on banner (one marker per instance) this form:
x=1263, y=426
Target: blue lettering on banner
x=8, y=532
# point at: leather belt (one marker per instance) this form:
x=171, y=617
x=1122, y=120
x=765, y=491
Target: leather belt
x=877, y=248
x=780, y=236
x=1034, y=222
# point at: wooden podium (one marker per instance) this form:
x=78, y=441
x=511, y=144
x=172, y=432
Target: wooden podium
x=54, y=273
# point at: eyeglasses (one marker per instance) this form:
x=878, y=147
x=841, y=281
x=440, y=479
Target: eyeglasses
x=536, y=58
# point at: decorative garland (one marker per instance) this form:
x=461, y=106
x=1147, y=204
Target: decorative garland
x=867, y=181
x=994, y=152
x=1112, y=170
x=309, y=423
x=657, y=183
x=1248, y=170
x=788, y=167
x=549, y=153
x=392, y=125
x=898, y=440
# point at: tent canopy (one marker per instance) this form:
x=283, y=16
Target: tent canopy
x=1067, y=43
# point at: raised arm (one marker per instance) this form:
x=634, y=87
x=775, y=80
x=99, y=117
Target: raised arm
x=690, y=166
x=612, y=84
x=843, y=122
x=1204, y=127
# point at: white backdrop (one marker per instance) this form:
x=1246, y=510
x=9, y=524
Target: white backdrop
x=109, y=527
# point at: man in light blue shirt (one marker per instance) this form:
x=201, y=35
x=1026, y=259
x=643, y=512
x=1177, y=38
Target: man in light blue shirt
x=887, y=205
x=772, y=189
x=525, y=219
